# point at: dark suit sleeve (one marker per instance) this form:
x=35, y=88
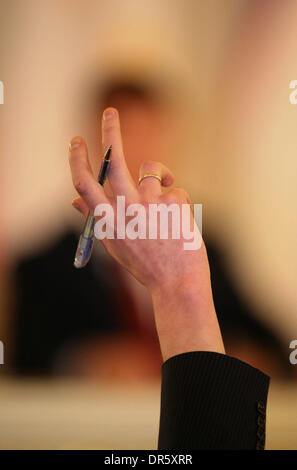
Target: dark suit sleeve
x=212, y=401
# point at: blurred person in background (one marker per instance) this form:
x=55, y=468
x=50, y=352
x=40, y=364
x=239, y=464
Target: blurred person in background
x=98, y=321
x=95, y=321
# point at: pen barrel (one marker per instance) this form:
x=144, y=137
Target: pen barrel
x=83, y=251
x=88, y=230
x=103, y=171
x=86, y=241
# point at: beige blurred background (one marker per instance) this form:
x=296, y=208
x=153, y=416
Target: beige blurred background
x=228, y=66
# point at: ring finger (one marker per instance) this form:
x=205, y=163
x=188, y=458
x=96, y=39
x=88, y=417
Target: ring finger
x=152, y=176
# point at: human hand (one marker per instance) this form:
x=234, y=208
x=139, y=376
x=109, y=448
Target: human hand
x=177, y=279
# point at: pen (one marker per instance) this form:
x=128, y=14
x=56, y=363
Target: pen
x=86, y=240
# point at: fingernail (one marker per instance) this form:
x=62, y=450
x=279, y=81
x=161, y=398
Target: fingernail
x=74, y=143
x=76, y=205
x=108, y=114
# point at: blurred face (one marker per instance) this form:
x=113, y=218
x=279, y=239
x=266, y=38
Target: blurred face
x=145, y=130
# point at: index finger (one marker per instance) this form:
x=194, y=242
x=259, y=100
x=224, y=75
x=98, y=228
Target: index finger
x=119, y=176
x=83, y=179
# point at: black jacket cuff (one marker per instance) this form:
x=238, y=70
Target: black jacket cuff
x=212, y=401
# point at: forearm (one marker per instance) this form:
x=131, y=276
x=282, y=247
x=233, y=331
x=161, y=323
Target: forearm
x=185, y=317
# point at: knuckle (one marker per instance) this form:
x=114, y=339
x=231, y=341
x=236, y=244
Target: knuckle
x=146, y=202
x=181, y=193
x=168, y=180
x=177, y=195
x=170, y=198
x=108, y=128
x=150, y=165
x=110, y=125
x=81, y=186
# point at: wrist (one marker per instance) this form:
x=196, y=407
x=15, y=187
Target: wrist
x=185, y=317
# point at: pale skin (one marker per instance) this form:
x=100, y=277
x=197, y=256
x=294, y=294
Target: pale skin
x=177, y=280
